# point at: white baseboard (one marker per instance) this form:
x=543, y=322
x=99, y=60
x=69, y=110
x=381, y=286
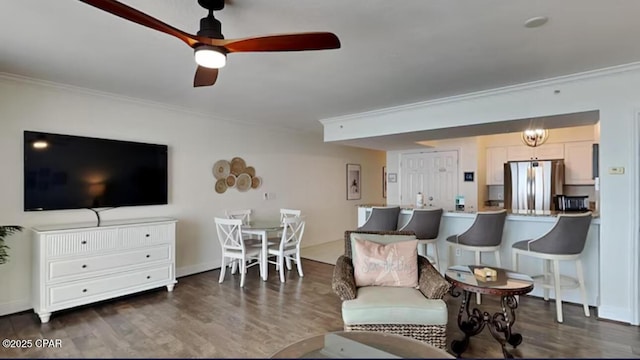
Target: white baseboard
x=308, y=245
x=198, y=268
x=614, y=313
x=12, y=307
x=16, y=306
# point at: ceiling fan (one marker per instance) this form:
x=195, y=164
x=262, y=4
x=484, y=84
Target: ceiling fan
x=210, y=46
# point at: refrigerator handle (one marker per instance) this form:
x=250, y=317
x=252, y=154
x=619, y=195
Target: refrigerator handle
x=528, y=207
x=531, y=188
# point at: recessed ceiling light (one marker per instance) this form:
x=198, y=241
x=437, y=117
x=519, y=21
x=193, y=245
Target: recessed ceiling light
x=535, y=22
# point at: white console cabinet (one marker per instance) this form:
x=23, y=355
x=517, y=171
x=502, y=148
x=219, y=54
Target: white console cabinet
x=80, y=264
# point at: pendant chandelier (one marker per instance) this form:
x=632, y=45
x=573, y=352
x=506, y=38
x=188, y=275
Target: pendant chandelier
x=535, y=137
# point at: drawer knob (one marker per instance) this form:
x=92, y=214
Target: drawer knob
x=147, y=235
x=148, y=276
x=84, y=266
x=83, y=242
x=84, y=290
x=148, y=256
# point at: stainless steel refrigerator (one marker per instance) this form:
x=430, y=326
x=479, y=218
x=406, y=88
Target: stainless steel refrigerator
x=532, y=185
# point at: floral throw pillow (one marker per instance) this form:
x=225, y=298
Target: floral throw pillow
x=394, y=264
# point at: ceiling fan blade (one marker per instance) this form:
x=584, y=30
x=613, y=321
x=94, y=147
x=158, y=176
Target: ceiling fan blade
x=284, y=42
x=205, y=76
x=131, y=14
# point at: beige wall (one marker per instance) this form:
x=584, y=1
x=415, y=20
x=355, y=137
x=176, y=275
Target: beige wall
x=300, y=169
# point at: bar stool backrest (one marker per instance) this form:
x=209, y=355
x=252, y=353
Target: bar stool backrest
x=425, y=223
x=567, y=237
x=382, y=219
x=486, y=230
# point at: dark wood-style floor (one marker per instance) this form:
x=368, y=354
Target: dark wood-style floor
x=202, y=318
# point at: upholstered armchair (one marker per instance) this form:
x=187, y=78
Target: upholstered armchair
x=419, y=312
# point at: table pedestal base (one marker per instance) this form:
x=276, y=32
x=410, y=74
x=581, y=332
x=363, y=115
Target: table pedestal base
x=472, y=322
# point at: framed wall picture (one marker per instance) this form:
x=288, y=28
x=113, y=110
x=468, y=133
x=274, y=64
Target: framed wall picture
x=354, y=185
x=468, y=176
x=384, y=182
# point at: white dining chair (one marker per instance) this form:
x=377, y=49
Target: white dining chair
x=245, y=216
x=285, y=213
x=234, y=248
x=288, y=246
x=242, y=214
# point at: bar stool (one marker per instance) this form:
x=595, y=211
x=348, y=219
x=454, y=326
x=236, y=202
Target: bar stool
x=382, y=219
x=484, y=235
x=564, y=242
x=425, y=223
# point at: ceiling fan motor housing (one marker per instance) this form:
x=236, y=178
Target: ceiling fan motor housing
x=210, y=27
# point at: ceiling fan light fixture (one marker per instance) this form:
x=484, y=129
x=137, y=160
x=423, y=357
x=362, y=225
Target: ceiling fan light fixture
x=210, y=57
x=535, y=137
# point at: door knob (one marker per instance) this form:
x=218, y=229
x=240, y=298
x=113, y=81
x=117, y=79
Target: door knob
x=430, y=198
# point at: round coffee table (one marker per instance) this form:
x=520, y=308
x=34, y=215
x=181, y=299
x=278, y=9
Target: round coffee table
x=507, y=284
x=360, y=344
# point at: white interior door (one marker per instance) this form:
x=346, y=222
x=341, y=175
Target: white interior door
x=412, y=177
x=435, y=174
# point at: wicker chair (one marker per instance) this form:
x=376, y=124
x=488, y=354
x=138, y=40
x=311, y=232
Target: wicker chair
x=427, y=298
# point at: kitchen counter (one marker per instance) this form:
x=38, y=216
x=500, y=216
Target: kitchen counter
x=518, y=226
x=406, y=209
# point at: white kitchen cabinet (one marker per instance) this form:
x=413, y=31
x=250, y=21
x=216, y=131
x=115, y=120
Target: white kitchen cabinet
x=549, y=152
x=79, y=264
x=519, y=153
x=578, y=163
x=542, y=152
x=496, y=157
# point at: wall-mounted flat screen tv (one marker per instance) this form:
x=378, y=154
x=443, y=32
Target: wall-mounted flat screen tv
x=73, y=172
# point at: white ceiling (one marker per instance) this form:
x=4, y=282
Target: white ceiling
x=393, y=52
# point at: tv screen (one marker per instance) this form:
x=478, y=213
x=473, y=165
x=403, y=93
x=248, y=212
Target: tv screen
x=72, y=172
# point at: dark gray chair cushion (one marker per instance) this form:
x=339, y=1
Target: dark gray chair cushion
x=486, y=230
x=382, y=219
x=567, y=237
x=424, y=223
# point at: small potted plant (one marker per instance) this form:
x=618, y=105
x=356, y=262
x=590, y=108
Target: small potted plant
x=6, y=230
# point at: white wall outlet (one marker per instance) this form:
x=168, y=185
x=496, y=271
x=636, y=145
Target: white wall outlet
x=458, y=252
x=616, y=170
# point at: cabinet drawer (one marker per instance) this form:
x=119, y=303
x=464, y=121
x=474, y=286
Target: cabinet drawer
x=87, y=265
x=109, y=284
x=146, y=235
x=81, y=242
